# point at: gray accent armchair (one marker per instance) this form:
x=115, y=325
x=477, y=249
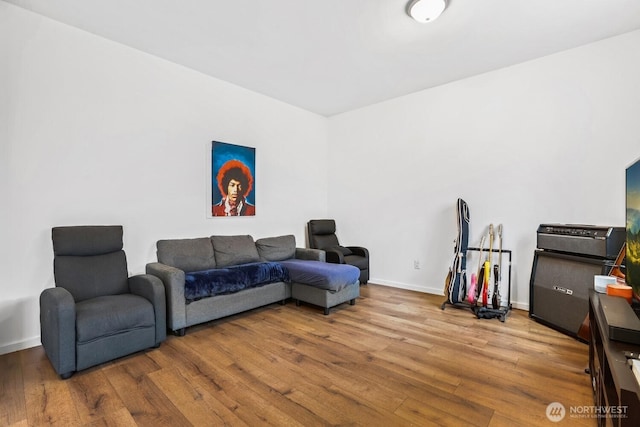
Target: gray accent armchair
x=97, y=313
x=322, y=235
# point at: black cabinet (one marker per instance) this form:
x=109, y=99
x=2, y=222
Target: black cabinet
x=615, y=389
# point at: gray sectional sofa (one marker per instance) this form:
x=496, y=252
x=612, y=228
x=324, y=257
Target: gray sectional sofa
x=209, y=278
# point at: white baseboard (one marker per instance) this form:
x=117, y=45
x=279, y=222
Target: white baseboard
x=19, y=345
x=410, y=287
x=433, y=291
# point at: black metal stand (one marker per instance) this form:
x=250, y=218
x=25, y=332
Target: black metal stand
x=486, y=312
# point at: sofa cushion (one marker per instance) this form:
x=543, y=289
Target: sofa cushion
x=92, y=276
x=108, y=315
x=277, y=248
x=187, y=254
x=323, y=275
x=220, y=281
x=358, y=261
x=234, y=250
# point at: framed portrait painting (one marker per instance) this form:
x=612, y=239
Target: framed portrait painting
x=233, y=186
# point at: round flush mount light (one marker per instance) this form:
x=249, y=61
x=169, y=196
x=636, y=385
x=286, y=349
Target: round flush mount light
x=426, y=10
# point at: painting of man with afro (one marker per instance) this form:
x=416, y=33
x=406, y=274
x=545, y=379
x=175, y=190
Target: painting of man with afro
x=233, y=183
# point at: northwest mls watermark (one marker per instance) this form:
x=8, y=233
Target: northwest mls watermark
x=556, y=412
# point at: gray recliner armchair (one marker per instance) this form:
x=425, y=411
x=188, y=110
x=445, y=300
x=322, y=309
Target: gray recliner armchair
x=322, y=235
x=97, y=313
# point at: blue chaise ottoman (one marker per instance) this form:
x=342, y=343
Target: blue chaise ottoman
x=323, y=284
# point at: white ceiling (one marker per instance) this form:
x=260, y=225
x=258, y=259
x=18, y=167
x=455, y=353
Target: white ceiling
x=331, y=56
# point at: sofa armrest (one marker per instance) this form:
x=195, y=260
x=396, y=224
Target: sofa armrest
x=310, y=254
x=334, y=256
x=152, y=288
x=173, y=280
x=58, y=329
x=359, y=250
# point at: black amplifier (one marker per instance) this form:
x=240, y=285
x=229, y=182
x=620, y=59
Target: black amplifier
x=589, y=240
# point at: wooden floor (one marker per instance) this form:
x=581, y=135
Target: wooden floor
x=393, y=359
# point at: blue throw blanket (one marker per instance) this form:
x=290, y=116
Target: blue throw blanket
x=220, y=281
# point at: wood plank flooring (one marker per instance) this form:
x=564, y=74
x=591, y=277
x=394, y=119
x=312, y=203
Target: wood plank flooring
x=393, y=359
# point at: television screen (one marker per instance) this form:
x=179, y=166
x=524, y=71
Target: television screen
x=632, y=262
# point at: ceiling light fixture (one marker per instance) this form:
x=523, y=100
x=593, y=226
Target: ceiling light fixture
x=426, y=10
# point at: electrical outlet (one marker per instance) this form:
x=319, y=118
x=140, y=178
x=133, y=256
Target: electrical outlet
x=416, y=264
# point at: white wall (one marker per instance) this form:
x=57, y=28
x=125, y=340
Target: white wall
x=94, y=132
x=544, y=141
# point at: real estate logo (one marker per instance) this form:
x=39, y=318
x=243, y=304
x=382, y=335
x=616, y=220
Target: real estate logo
x=556, y=412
